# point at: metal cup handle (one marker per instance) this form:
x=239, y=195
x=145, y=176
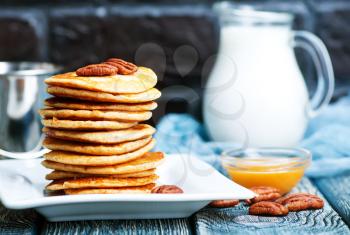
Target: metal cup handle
x=34, y=153
x=20, y=86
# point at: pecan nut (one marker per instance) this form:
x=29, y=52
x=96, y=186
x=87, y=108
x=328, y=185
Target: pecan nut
x=123, y=66
x=301, y=201
x=224, y=203
x=265, y=193
x=268, y=208
x=167, y=189
x=97, y=70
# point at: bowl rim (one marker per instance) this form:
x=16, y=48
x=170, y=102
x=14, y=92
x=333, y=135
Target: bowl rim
x=299, y=158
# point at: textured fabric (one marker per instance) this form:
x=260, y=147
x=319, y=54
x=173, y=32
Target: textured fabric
x=327, y=137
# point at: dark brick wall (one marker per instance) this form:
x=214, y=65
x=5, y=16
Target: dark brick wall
x=333, y=27
x=149, y=31
x=23, y=34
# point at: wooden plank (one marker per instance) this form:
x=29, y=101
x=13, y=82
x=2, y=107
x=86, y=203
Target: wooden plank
x=18, y=221
x=166, y=226
x=237, y=221
x=337, y=191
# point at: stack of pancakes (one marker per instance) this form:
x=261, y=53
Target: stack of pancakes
x=92, y=127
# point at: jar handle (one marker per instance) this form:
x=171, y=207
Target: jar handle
x=320, y=56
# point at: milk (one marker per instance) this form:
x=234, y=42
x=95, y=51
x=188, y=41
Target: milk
x=256, y=94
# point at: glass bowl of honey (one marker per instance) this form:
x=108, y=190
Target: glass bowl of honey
x=281, y=168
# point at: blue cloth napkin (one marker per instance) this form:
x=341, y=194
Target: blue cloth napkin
x=327, y=137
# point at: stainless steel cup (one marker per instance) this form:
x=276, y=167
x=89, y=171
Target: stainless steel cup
x=22, y=92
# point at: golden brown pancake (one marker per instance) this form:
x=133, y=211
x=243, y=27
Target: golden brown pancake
x=65, y=103
x=86, y=125
x=100, y=182
x=88, y=160
x=92, y=128
x=58, y=175
x=69, y=114
x=95, y=149
x=123, y=190
x=140, y=81
x=139, y=131
x=96, y=96
x=149, y=161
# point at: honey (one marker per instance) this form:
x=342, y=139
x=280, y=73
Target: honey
x=282, y=173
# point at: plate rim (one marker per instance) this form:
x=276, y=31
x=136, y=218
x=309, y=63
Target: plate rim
x=113, y=198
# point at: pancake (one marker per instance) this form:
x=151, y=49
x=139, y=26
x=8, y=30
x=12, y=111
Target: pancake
x=139, y=131
x=58, y=175
x=100, y=182
x=149, y=161
x=122, y=190
x=95, y=96
x=88, y=160
x=80, y=115
x=86, y=125
x=140, y=81
x=95, y=149
x=65, y=103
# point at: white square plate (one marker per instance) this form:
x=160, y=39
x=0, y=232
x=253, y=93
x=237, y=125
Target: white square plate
x=22, y=184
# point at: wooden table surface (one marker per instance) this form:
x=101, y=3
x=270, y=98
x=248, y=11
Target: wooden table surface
x=334, y=218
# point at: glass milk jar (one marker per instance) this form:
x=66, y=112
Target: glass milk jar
x=256, y=94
